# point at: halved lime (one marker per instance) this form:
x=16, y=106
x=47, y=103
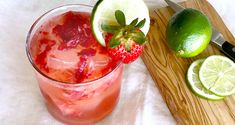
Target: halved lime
x=195, y=83
x=104, y=13
x=217, y=74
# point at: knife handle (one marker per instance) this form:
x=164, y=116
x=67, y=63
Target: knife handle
x=229, y=50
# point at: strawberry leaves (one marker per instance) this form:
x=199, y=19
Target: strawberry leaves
x=141, y=23
x=110, y=28
x=134, y=22
x=120, y=17
x=115, y=40
x=138, y=37
x=114, y=43
x=123, y=33
x=121, y=20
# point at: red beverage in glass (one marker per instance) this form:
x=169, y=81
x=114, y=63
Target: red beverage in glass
x=80, y=82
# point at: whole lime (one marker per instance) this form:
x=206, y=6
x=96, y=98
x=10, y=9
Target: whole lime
x=188, y=32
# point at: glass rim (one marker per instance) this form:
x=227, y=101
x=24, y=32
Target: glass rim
x=43, y=74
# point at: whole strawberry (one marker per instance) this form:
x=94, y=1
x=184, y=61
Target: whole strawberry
x=127, y=41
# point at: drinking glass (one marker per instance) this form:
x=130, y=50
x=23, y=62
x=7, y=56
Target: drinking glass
x=75, y=103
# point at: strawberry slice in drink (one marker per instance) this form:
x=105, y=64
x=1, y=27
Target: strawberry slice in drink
x=74, y=31
x=69, y=52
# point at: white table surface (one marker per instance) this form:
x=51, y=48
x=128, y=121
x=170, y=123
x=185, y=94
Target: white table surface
x=20, y=100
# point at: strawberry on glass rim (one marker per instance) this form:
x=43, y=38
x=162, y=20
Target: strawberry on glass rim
x=124, y=42
x=123, y=35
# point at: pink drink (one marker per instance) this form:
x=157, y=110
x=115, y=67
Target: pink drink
x=77, y=77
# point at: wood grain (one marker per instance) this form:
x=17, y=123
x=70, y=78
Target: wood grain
x=168, y=72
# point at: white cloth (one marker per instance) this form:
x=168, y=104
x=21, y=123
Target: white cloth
x=20, y=100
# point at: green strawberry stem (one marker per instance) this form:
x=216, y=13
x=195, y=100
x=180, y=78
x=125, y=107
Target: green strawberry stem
x=123, y=33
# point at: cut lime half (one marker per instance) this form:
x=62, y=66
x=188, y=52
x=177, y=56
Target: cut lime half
x=195, y=83
x=104, y=13
x=217, y=74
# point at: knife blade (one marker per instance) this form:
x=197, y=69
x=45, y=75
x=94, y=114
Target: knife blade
x=217, y=38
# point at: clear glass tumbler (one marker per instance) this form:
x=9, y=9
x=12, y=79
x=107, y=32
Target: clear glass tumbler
x=75, y=103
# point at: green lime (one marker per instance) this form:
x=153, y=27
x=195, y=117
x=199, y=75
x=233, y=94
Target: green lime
x=104, y=13
x=188, y=32
x=195, y=83
x=217, y=74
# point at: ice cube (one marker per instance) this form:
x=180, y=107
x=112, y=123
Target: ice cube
x=101, y=60
x=58, y=59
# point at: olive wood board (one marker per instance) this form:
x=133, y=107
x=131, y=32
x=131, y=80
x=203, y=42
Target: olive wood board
x=169, y=71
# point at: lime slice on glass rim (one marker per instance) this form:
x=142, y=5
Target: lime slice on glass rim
x=217, y=74
x=104, y=13
x=195, y=83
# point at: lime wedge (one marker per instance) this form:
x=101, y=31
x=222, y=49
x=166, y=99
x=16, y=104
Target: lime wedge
x=217, y=74
x=104, y=13
x=195, y=83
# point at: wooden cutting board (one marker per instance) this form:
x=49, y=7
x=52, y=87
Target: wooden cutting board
x=168, y=72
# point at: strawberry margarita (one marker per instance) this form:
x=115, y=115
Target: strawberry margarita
x=80, y=82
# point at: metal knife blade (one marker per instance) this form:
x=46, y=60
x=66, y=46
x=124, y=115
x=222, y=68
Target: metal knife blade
x=217, y=38
x=176, y=7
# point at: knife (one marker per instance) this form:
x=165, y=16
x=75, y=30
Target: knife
x=217, y=38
